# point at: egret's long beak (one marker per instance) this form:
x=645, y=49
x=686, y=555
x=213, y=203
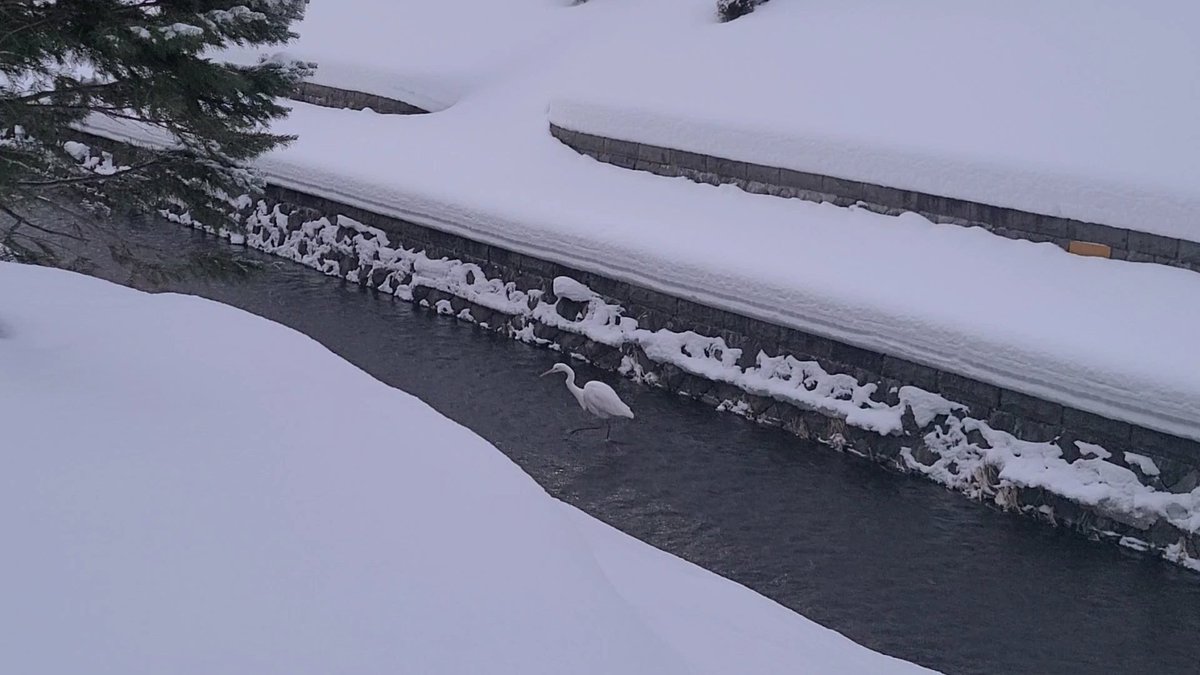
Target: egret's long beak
x=546, y=373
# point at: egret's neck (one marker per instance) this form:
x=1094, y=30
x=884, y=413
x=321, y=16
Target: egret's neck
x=571, y=381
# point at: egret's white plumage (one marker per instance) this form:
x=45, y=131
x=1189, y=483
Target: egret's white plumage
x=596, y=398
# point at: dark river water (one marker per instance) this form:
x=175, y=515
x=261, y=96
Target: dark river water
x=898, y=564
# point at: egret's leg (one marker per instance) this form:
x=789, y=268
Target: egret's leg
x=608, y=432
x=575, y=431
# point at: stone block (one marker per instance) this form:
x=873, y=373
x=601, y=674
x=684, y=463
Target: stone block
x=750, y=350
x=609, y=288
x=728, y=324
x=843, y=188
x=816, y=346
x=727, y=168
x=1020, y=220
x=1096, y=429
x=1153, y=245
x=981, y=397
x=1189, y=252
x=589, y=142
x=623, y=161
x=606, y=358
x=989, y=216
x=964, y=210
x=688, y=311
x=670, y=376
x=1100, y=234
x=1186, y=483
x=884, y=196
x=471, y=248
x=570, y=342
x=704, y=315
x=569, y=309
x=804, y=346
x=763, y=331
x=618, y=148
x=857, y=357
x=1035, y=431
x=910, y=373
x=1031, y=407
x=767, y=175
x=930, y=205
x=648, y=319
x=529, y=265
x=1150, y=442
x=653, y=153
x=801, y=180
x=653, y=299
x=689, y=160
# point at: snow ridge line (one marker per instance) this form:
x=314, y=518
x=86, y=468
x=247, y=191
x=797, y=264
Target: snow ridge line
x=905, y=428
x=1071, y=235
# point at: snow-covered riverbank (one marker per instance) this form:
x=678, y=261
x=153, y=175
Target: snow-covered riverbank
x=190, y=488
x=1103, y=336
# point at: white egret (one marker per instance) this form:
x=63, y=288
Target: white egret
x=595, y=397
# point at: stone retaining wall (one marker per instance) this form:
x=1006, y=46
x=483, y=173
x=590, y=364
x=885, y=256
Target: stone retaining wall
x=333, y=97
x=1072, y=235
x=966, y=434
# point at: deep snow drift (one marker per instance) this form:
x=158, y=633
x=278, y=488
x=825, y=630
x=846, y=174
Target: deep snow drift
x=190, y=488
x=1083, y=109
x=1108, y=337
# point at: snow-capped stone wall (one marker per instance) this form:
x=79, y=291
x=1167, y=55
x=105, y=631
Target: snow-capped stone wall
x=1107, y=479
x=335, y=97
x=1072, y=235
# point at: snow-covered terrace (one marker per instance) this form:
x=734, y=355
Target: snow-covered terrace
x=1113, y=338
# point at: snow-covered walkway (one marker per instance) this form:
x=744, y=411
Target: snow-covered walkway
x=189, y=488
x=1113, y=338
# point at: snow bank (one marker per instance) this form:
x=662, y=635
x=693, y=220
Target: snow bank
x=935, y=438
x=190, y=488
x=997, y=465
x=1099, y=335
x=431, y=53
x=1079, y=109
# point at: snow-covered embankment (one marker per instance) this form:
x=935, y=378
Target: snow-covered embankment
x=1021, y=454
x=189, y=488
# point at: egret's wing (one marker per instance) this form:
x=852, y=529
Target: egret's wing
x=602, y=397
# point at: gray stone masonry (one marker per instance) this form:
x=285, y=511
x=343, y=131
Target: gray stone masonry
x=1011, y=223
x=333, y=97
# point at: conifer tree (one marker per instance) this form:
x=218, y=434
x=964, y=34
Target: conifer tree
x=728, y=10
x=70, y=66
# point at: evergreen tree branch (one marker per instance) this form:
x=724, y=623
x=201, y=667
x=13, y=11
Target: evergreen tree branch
x=20, y=221
x=38, y=184
x=82, y=88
